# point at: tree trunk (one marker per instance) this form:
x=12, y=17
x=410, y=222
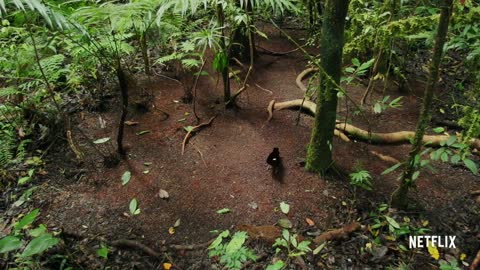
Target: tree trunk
x=146, y=59
x=399, y=196
x=241, y=48
x=223, y=47
x=319, y=153
x=122, y=79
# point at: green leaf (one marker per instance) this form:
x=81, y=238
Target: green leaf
x=392, y=222
x=9, y=243
x=236, y=243
x=27, y=220
x=319, y=248
x=143, y=132
x=126, y=177
x=188, y=128
x=356, y=62
x=102, y=140
x=391, y=169
x=219, y=239
x=39, y=245
x=377, y=108
x=223, y=211
x=471, y=166
x=285, y=223
x=103, y=251
x=133, y=207
x=38, y=231
x=285, y=207
x=415, y=175
x=438, y=130
x=278, y=265
x=220, y=62
x=24, y=180
x=451, y=140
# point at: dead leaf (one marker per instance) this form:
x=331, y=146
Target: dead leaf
x=309, y=222
x=177, y=223
x=167, y=266
x=21, y=132
x=171, y=230
x=163, y=194
x=131, y=123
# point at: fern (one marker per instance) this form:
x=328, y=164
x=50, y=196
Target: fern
x=7, y=144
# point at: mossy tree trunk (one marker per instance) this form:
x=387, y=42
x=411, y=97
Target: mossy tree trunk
x=319, y=153
x=399, y=197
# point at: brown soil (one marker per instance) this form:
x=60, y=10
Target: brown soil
x=233, y=173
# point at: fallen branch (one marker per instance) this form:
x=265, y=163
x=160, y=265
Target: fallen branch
x=135, y=244
x=398, y=137
x=338, y=233
x=201, y=155
x=383, y=157
x=193, y=130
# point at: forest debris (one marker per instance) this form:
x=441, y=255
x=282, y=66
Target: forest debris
x=78, y=154
x=131, y=123
x=309, y=221
x=475, y=192
x=193, y=130
x=476, y=262
x=163, y=194
x=338, y=233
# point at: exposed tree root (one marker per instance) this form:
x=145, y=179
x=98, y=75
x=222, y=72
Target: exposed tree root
x=301, y=76
x=193, y=130
x=476, y=262
x=122, y=243
x=269, y=52
x=135, y=244
x=398, y=137
x=338, y=233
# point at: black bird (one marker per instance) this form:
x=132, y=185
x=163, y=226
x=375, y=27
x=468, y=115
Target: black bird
x=275, y=161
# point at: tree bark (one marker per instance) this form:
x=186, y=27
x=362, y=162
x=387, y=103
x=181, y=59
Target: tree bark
x=319, y=153
x=399, y=197
x=146, y=59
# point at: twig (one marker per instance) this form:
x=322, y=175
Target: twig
x=264, y=89
x=201, y=155
x=195, y=129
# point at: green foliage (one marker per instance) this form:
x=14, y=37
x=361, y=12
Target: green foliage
x=356, y=70
x=289, y=243
x=232, y=253
x=24, y=242
x=456, y=152
x=362, y=179
x=384, y=104
x=451, y=265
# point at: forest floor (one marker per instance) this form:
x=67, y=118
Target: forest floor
x=224, y=167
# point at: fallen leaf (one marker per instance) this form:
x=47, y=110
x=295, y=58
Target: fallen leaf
x=223, y=211
x=285, y=207
x=102, y=140
x=131, y=123
x=143, y=132
x=177, y=223
x=126, y=177
x=167, y=266
x=309, y=222
x=285, y=223
x=163, y=194
x=147, y=163
x=146, y=171
x=433, y=251
x=171, y=230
